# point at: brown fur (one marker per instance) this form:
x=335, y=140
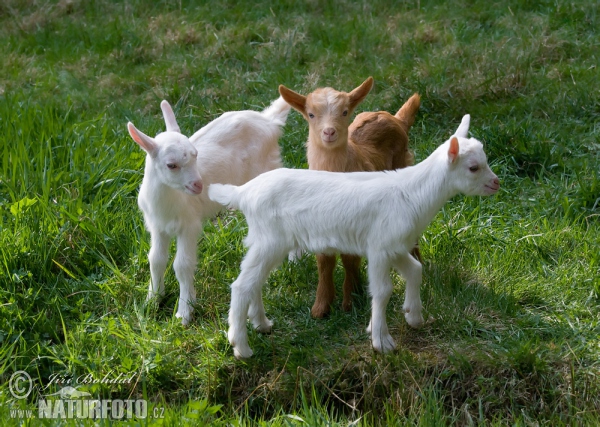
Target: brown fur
x=374, y=141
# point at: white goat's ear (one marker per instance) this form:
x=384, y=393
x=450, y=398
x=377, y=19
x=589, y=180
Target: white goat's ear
x=297, y=101
x=463, y=128
x=143, y=140
x=169, y=116
x=358, y=94
x=453, y=150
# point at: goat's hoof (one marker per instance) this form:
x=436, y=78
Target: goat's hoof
x=320, y=311
x=385, y=344
x=347, y=305
x=153, y=297
x=186, y=318
x=414, y=320
x=242, y=353
x=265, y=327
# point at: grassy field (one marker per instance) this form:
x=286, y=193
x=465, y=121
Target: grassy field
x=511, y=282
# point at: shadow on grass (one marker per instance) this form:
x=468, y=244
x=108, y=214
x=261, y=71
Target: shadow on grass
x=481, y=354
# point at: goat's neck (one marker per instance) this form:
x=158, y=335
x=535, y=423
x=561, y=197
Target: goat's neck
x=332, y=160
x=156, y=190
x=430, y=183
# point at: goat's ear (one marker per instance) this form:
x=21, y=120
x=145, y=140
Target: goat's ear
x=169, y=116
x=453, y=150
x=297, y=101
x=143, y=140
x=463, y=128
x=358, y=94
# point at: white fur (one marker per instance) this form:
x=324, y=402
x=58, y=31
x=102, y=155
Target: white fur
x=233, y=148
x=374, y=214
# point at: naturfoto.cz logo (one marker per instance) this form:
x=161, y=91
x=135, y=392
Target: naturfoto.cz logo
x=70, y=403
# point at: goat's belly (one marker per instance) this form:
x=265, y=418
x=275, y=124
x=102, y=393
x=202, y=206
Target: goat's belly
x=177, y=226
x=331, y=246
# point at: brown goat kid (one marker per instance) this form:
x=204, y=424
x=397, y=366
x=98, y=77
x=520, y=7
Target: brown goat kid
x=375, y=141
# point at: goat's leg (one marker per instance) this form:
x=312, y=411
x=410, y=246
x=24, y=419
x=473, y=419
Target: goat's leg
x=412, y=271
x=158, y=257
x=184, y=265
x=325, y=288
x=380, y=287
x=352, y=279
x=257, y=315
x=416, y=252
x=256, y=310
x=246, y=292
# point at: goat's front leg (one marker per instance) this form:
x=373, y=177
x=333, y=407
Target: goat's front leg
x=412, y=271
x=325, y=288
x=380, y=287
x=352, y=279
x=184, y=265
x=158, y=257
x=246, y=299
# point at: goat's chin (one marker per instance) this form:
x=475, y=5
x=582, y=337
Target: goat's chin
x=490, y=189
x=485, y=191
x=331, y=143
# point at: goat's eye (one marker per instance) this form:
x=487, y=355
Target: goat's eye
x=474, y=168
x=345, y=113
x=311, y=115
x=172, y=166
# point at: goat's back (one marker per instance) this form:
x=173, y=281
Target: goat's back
x=237, y=147
x=325, y=213
x=379, y=141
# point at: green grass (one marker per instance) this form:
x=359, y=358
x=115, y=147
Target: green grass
x=511, y=282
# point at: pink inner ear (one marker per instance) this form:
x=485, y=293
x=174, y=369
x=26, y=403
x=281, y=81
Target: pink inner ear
x=137, y=137
x=453, y=151
x=133, y=132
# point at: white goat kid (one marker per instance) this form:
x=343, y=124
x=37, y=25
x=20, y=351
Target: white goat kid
x=379, y=215
x=234, y=148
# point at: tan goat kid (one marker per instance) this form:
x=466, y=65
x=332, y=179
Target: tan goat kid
x=375, y=141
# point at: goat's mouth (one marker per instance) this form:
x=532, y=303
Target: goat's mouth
x=491, y=189
x=192, y=189
x=328, y=139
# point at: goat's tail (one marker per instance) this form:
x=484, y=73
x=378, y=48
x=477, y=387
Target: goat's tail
x=277, y=111
x=407, y=113
x=225, y=194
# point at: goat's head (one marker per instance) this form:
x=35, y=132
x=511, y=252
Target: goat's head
x=468, y=164
x=172, y=155
x=327, y=111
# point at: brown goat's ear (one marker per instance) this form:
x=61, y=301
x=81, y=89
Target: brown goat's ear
x=358, y=94
x=453, y=150
x=296, y=100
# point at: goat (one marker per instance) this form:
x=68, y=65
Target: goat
x=374, y=141
x=374, y=214
x=234, y=148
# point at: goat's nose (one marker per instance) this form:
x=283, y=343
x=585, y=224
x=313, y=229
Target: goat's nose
x=198, y=185
x=329, y=132
x=497, y=181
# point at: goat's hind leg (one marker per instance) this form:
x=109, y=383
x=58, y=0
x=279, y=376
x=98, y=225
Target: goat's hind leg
x=412, y=271
x=256, y=313
x=246, y=298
